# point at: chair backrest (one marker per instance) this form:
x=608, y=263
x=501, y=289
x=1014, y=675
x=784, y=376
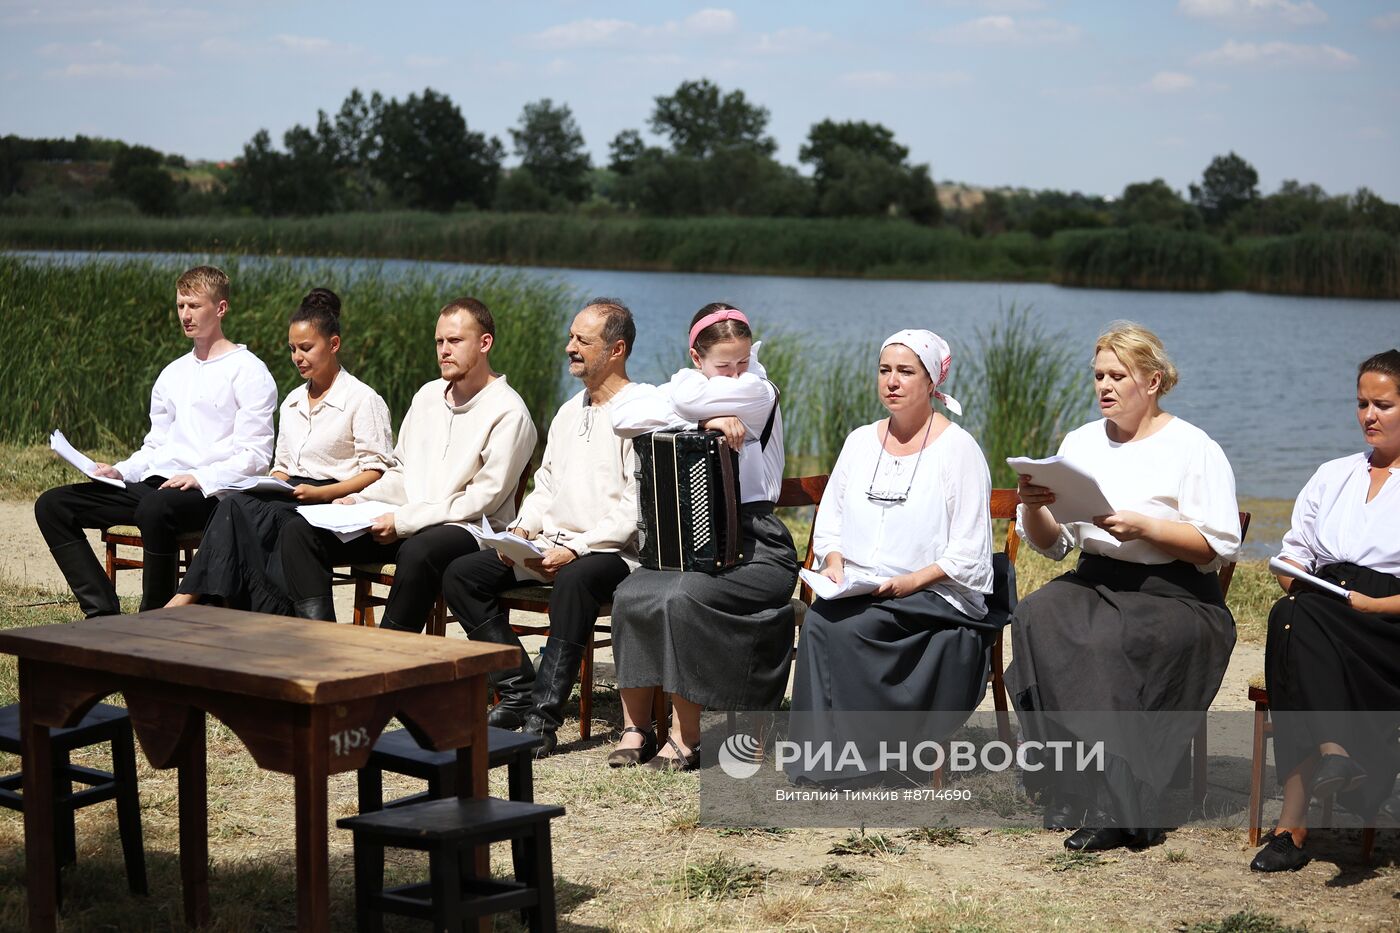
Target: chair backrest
x=1227, y=572
x=796, y=492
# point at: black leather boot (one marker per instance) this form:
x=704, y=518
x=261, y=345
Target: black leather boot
x=320, y=608
x=514, y=685
x=95, y=594
x=159, y=573
x=558, y=671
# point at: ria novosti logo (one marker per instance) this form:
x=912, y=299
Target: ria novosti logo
x=741, y=756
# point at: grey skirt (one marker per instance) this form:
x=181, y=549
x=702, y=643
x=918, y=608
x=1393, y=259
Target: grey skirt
x=1130, y=639
x=723, y=640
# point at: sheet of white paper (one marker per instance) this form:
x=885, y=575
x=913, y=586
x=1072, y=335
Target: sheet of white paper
x=79, y=461
x=1279, y=565
x=252, y=484
x=1078, y=497
x=855, y=583
x=344, y=518
x=511, y=545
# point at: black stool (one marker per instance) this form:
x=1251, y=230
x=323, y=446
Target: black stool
x=447, y=830
x=105, y=723
x=399, y=753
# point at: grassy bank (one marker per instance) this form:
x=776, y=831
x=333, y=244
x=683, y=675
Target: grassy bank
x=1345, y=264
x=72, y=363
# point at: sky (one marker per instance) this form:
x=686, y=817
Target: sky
x=1086, y=96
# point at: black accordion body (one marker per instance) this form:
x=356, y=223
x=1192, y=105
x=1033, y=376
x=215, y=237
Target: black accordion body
x=687, y=501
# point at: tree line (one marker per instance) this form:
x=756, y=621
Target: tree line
x=715, y=158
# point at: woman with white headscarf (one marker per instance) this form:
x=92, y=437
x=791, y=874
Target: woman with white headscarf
x=906, y=511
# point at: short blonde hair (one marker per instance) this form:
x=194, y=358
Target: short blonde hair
x=1140, y=350
x=204, y=280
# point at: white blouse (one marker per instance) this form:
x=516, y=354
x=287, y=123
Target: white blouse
x=1178, y=474
x=691, y=397
x=210, y=418
x=1333, y=523
x=944, y=520
x=346, y=433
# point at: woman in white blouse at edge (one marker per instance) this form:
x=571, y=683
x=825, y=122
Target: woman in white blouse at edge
x=720, y=640
x=907, y=501
x=334, y=438
x=1340, y=656
x=1139, y=626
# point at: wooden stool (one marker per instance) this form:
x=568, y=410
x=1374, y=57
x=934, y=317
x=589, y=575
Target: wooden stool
x=105, y=723
x=399, y=753
x=448, y=830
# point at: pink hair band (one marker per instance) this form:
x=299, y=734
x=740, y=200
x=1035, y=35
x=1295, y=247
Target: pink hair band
x=714, y=317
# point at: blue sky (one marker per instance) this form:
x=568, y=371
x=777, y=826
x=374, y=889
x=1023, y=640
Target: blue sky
x=1037, y=93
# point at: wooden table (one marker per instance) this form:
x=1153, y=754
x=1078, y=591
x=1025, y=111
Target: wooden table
x=307, y=698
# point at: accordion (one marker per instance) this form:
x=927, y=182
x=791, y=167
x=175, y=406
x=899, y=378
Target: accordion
x=687, y=501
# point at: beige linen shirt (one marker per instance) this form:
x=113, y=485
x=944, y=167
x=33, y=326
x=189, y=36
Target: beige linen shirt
x=344, y=434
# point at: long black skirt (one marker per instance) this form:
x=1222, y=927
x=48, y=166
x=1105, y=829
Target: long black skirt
x=234, y=563
x=1130, y=640
x=722, y=640
x=914, y=655
x=1327, y=658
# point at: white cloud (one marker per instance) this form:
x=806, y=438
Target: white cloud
x=594, y=33
x=427, y=61
x=788, y=41
x=137, y=17
x=1167, y=82
x=1386, y=21
x=868, y=79
x=1008, y=30
x=80, y=51
x=305, y=44
x=1256, y=12
x=997, y=6
x=1276, y=55
x=111, y=71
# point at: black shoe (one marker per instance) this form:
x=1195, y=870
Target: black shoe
x=631, y=757
x=1279, y=854
x=504, y=717
x=1090, y=839
x=95, y=594
x=559, y=671
x=1060, y=817
x=536, y=726
x=1337, y=774
x=513, y=686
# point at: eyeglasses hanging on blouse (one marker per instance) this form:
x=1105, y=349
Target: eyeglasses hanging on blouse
x=890, y=496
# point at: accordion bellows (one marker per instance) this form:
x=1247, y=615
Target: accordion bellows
x=687, y=501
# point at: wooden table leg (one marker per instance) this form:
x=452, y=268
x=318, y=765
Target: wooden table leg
x=194, y=822
x=39, y=855
x=312, y=766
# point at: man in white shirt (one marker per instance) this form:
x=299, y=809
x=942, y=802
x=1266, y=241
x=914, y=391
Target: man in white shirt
x=463, y=446
x=211, y=424
x=582, y=514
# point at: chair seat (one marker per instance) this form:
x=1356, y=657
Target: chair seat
x=95, y=727
x=502, y=744
x=450, y=819
x=1257, y=681
x=386, y=569
x=530, y=592
x=799, y=610
x=131, y=531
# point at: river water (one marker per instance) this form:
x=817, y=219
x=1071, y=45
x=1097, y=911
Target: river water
x=1272, y=378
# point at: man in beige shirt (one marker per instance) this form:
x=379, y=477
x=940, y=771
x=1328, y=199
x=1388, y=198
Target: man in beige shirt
x=462, y=447
x=582, y=513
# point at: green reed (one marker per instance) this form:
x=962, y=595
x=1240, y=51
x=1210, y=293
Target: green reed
x=86, y=341
x=876, y=248
x=1336, y=264
x=1140, y=257
x=1029, y=388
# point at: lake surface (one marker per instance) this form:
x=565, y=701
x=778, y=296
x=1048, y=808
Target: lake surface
x=1272, y=378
